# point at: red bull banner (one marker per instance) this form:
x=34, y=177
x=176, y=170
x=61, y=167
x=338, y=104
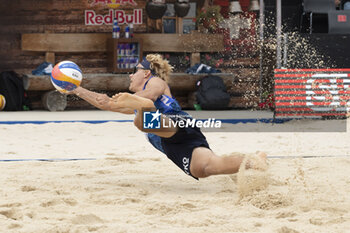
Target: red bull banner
x=312, y=92
x=92, y=18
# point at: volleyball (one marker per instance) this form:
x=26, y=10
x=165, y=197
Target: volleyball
x=2, y=102
x=66, y=76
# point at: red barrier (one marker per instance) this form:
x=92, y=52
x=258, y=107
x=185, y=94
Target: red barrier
x=312, y=92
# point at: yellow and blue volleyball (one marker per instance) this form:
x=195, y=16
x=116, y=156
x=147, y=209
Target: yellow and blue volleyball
x=66, y=76
x=2, y=102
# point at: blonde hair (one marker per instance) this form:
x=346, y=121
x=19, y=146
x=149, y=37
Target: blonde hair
x=160, y=66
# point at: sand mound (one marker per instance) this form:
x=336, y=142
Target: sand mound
x=252, y=186
x=266, y=200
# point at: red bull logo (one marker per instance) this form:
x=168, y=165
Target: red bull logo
x=91, y=18
x=114, y=3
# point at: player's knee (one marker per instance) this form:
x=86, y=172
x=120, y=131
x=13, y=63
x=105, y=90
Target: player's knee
x=202, y=170
x=211, y=167
x=204, y=163
x=209, y=170
x=199, y=173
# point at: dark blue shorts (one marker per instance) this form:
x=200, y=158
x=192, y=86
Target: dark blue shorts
x=180, y=146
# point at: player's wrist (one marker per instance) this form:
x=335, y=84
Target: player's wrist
x=76, y=91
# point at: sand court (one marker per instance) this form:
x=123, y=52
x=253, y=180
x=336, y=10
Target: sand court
x=128, y=186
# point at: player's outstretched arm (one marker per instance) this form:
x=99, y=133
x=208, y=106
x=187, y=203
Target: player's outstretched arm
x=101, y=101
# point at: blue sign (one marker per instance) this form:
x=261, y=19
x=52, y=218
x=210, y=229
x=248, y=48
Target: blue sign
x=151, y=120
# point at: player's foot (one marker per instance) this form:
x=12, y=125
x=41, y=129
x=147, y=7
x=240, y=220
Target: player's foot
x=262, y=156
x=257, y=162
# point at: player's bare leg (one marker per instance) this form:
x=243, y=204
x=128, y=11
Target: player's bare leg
x=205, y=163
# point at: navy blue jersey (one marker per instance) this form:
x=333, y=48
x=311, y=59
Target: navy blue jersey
x=168, y=106
x=180, y=146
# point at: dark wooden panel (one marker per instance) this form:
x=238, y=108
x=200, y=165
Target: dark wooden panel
x=40, y=16
x=64, y=42
x=118, y=82
x=96, y=42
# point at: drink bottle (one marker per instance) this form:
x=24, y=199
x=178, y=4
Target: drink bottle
x=127, y=32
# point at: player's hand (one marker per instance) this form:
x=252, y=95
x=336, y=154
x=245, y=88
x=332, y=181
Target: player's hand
x=116, y=96
x=103, y=100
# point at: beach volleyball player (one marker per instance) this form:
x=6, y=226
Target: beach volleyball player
x=186, y=147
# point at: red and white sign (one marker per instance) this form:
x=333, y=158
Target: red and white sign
x=91, y=18
x=312, y=92
x=342, y=18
